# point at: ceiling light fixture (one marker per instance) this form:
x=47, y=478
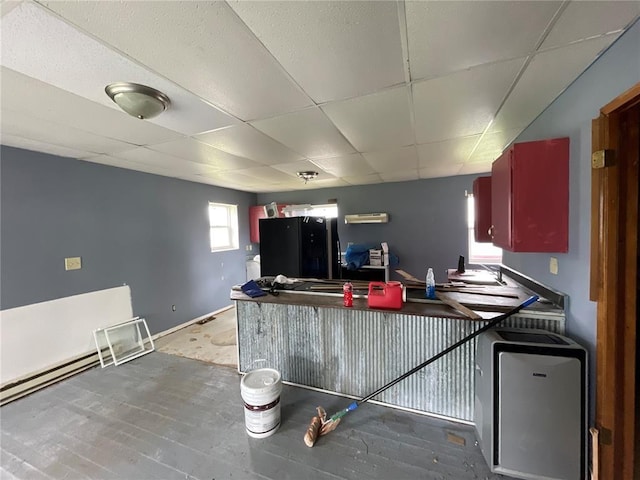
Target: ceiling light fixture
x=138, y=100
x=307, y=175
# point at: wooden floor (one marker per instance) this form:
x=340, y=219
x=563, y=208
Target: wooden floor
x=167, y=417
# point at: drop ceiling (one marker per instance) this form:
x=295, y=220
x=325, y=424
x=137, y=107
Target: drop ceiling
x=360, y=91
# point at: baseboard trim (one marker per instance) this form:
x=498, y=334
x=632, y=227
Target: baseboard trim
x=21, y=387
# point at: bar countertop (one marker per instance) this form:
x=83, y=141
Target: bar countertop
x=486, y=306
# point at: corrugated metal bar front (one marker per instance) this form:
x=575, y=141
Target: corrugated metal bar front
x=354, y=352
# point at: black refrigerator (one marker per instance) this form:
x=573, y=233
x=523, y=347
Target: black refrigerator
x=299, y=247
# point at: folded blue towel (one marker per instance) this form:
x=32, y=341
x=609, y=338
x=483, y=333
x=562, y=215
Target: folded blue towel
x=252, y=289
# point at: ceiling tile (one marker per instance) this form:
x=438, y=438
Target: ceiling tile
x=582, y=20
x=355, y=46
x=374, y=122
x=473, y=168
x=63, y=56
x=301, y=166
x=492, y=145
x=267, y=174
x=7, y=5
x=120, y=163
x=25, y=126
x=46, y=102
x=346, y=165
x=308, y=132
x=194, y=151
x=397, y=159
x=450, y=152
x=463, y=103
x=362, y=179
x=36, y=146
x=440, y=171
x=246, y=141
x=536, y=89
x=445, y=37
x=400, y=176
x=150, y=157
x=235, y=178
x=211, y=52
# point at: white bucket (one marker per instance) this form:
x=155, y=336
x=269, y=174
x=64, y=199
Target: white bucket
x=260, y=390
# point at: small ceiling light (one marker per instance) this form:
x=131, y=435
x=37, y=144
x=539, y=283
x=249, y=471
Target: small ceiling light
x=307, y=175
x=138, y=100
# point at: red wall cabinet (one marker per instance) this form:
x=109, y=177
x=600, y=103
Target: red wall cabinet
x=530, y=197
x=482, y=209
x=257, y=212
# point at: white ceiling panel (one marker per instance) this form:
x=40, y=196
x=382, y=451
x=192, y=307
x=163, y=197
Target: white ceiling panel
x=7, y=5
x=440, y=171
x=308, y=132
x=537, y=88
x=355, y=46
x=161, y=160
x=400, y=176
x=463, y=103
x=266, y=174
x=374, y=122
x=246, y=141
x=397, y=159
x=21, y=125
x=68, y=59
x=194, y=151
x=46, y=102
x=36, y=146
x=475, y=168
x=301, y=166
x=445, y=37
x=346, y=165
x=363, y=179
x=585, y=19
x=492, y=145
x=202, y=46
x=120, y=163
x=403, y=89
x=449, y=152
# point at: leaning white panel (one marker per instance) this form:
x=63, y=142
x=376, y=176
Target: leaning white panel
x=123, y=342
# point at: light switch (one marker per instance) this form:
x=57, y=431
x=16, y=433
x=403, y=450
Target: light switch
x=73, y=263
x=553, y=265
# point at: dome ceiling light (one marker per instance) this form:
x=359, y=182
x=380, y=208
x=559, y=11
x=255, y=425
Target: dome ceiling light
x=307, y=175
x=138, y=100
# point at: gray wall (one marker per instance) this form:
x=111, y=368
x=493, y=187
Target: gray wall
x=427, y=226
x=617, y=70
x=147, y=231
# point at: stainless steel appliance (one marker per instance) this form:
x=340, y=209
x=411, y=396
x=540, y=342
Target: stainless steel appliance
x=530, y=404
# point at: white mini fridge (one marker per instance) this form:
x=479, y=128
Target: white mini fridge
x=530, y=404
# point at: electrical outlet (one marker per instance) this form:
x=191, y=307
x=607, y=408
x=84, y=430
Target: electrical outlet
x=73, y=263
x=553, y=265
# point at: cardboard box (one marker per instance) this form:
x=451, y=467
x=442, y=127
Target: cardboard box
x=375, y=258
x=379, y=257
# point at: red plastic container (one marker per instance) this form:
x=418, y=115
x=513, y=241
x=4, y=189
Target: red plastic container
x=385, y=295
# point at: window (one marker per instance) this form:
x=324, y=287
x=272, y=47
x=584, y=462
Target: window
x=223, y=227
x=328, y=210
x=480, y=253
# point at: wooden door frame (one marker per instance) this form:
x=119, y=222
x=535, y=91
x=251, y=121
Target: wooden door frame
x=614, y=253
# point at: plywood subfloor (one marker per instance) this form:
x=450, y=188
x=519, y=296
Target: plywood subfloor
x=213, y=341
x=167, y=417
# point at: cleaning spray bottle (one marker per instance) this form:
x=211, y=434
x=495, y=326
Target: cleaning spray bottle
x=430, y=285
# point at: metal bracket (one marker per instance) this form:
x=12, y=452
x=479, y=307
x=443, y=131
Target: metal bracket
x=602, y=158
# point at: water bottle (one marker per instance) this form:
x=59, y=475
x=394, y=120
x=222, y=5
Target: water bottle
x=431, y=285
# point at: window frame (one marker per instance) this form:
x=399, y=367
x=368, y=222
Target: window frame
x=230, y=227
x=480, y=253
